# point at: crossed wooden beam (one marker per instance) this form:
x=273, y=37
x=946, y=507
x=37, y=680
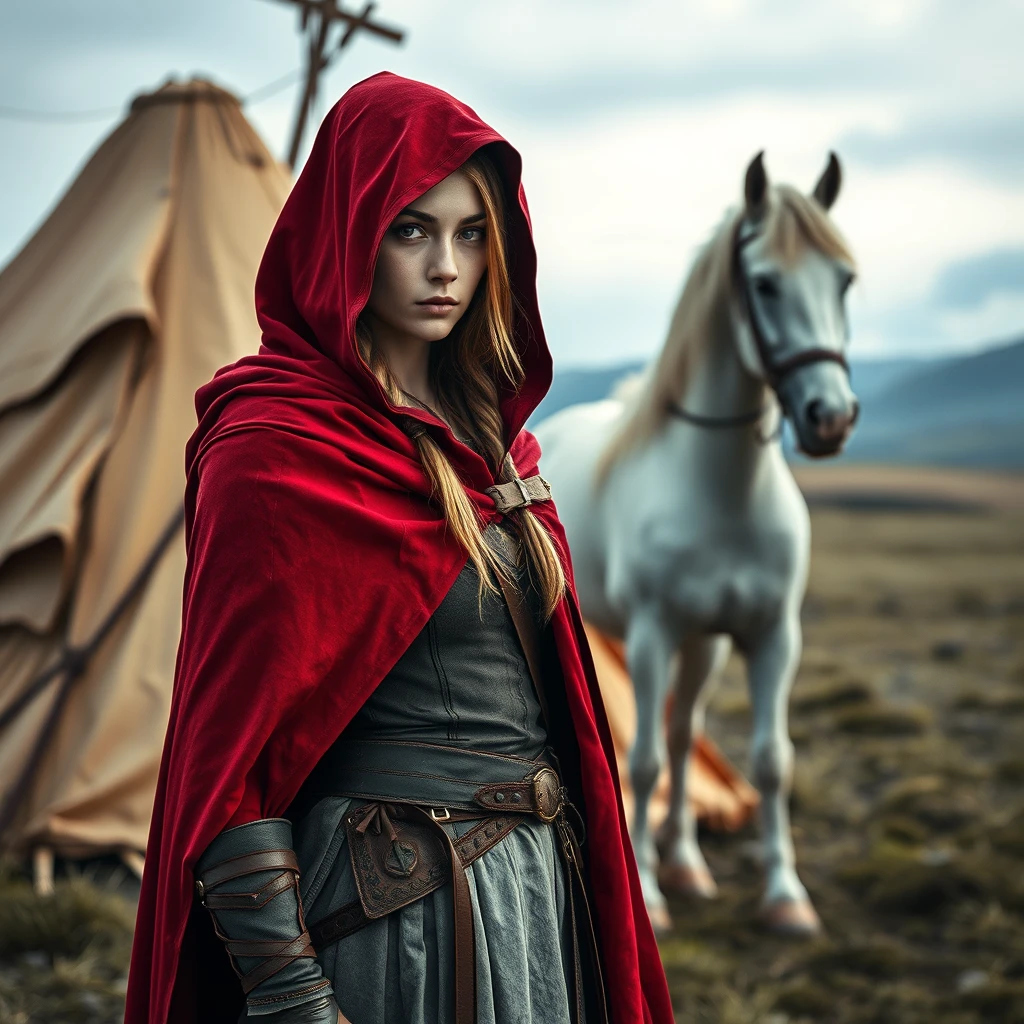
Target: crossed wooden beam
x=316, y=19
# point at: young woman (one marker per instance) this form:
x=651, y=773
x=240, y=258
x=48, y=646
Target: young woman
x=387, y=743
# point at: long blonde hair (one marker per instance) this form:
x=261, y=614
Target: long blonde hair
x=467, y=370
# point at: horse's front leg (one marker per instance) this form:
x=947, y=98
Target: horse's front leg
x=649, y=652
x=683, y=868
x=772, y=662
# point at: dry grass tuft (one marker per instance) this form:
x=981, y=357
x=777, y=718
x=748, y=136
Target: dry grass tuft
x=854, y=692
x=879, y=719
x=63, y=958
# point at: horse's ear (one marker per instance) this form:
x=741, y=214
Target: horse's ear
x=755, y=188
x=828, y=184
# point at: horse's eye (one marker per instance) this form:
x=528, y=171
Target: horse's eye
x=844, y=284
x=767, y=287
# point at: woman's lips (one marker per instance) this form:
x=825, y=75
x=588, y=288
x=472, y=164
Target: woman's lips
x=438, y=306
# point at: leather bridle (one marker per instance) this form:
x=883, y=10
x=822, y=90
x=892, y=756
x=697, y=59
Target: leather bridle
x=775, y=370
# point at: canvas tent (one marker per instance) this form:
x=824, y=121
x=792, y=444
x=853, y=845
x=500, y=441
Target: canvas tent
x=137, y=287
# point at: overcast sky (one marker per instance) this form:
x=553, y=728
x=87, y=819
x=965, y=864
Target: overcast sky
x=636, y=121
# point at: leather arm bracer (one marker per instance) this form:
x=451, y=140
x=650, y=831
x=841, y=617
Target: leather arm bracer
x=248, y=879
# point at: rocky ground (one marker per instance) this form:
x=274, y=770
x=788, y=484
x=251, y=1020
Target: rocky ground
x=908, y=720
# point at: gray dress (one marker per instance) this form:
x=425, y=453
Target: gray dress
x=463, y=682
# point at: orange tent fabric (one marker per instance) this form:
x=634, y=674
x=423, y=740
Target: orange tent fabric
x=136, y=288
x=720, y=796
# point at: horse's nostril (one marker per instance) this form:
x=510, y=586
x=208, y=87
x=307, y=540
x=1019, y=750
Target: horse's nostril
x=814, y=412
x=855, y=412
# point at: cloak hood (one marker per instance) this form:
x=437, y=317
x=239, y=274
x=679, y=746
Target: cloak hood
x=385, y=143
x=316, y=555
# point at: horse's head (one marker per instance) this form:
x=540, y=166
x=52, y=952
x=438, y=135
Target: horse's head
x=791, y=272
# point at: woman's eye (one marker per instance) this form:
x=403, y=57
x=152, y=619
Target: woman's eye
x=472, y=234
x=409, y=231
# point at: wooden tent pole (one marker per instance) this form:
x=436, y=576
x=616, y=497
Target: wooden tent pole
x=313, y=69
x=317, y=17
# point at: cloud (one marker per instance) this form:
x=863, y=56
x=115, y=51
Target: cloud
x=989, y=144
x=630, y=200
x=970, y=283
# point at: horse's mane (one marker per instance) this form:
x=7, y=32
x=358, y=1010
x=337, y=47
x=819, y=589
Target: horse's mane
x=792, y=222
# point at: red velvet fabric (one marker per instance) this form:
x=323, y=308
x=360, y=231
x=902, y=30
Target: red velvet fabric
x=315, y=556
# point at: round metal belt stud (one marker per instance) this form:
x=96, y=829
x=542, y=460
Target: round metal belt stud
x=499, y=798
x=517, y=798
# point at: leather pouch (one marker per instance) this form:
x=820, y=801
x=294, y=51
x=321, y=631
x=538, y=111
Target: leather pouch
x=396, y=860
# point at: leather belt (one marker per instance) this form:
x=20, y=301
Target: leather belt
x=430, y=774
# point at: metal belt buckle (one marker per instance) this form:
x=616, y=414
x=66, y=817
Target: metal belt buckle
x=547, y=794
x=201, y=892
x=440, y=813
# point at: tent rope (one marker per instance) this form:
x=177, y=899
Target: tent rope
x=72, y=665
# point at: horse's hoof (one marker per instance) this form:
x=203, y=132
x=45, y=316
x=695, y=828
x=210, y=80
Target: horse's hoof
x=661, y=920
x=683, y=880
x=796, y=919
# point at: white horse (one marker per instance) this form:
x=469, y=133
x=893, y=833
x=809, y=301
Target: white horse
x=686, y=528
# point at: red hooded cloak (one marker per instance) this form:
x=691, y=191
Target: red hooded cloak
x=315, y=555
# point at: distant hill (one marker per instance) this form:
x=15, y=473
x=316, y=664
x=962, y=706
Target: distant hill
x=988, y=385
x=951, y=411
x=871, y=377
x=967, y=411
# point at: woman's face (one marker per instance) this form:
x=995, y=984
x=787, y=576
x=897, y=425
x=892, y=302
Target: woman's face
x=430, y=263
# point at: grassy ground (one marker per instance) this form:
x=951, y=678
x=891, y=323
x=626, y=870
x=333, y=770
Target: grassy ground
x=908, y=719
x=63, y=959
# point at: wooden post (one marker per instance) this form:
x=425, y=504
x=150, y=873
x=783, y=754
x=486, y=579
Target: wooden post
x=317, y=18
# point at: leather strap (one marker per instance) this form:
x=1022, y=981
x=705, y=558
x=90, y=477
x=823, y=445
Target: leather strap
x=529, y=638
x=743, y=419
x=465, y=948
x=277, y=955
x=775, y=369
x=481, y=838
x=248, y=900
x=541, y=794
x=582, y=920
x=519, y=492
x=248, y=864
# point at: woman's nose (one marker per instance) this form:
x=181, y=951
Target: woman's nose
x=443, y=266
